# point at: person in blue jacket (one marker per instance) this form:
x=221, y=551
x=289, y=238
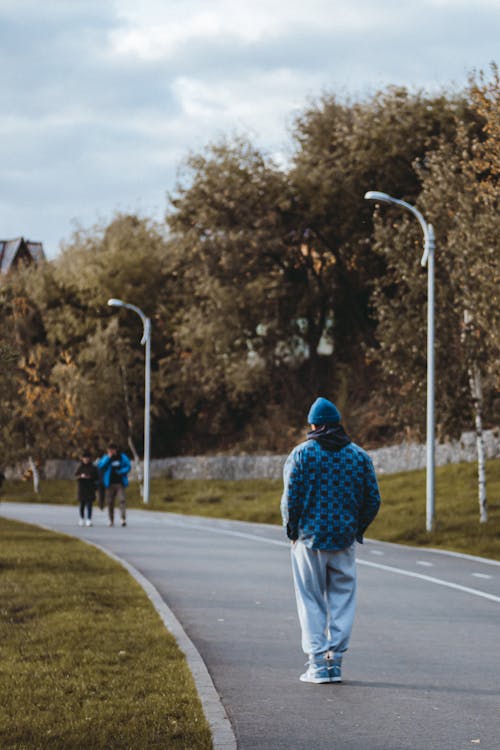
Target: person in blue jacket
x=114, y=467
x=330, y=498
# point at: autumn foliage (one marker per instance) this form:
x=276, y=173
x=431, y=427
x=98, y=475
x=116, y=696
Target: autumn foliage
x=268, y=285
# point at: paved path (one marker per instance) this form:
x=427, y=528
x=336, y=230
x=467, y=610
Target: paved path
x=423, y=672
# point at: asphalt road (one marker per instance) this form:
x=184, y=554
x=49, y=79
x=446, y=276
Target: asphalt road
x=423, y=671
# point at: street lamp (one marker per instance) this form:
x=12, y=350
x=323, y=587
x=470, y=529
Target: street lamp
x=427, y=260
x=146, y=340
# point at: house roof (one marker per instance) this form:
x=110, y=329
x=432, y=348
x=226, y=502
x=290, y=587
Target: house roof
x=13, y=250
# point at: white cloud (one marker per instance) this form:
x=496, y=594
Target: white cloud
x=233, y=101
x=108, y=96
x=154, y=31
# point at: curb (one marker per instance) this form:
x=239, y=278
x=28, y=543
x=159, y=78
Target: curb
x=223, y=737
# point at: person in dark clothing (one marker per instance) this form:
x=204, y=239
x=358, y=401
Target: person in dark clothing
x=87, y=479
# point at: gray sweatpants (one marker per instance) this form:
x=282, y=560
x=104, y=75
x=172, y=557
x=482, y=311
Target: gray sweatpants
x=325, y=589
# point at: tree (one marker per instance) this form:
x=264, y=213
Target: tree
x=343, y=151
x=37, y=418
x=456, y=201
x=267, y=289
x=127, y=259
x=294, y=245
x=44, y=416
x=243, y=268
x=469, y=179
x=8, y=358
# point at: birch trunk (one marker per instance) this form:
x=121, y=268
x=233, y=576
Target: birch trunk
x=476, y=386
x=35, y=474
x=137, y=464
x=476, y=389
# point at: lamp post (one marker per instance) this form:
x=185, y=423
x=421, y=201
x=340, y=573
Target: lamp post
x=145, y=341
x=427, y=260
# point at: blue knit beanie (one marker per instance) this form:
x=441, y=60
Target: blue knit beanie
x=323, y=412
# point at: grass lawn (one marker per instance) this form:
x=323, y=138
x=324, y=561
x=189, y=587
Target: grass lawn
x=401, y=518
x=402, y=515
x=86, y=661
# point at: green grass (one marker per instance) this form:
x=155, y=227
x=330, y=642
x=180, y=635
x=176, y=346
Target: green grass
x=86, y=662
x=401, y=518
x=246, y=500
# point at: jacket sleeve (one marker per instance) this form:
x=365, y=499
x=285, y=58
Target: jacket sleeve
x=371, y=500
x=125, y=464
x=103, y=462
x=293, y=495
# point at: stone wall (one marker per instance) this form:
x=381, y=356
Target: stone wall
x=404, y=457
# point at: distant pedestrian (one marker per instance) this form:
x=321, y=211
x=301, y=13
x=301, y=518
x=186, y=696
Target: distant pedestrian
x=114, y=467
x=330, y=498
x=2, y=478
x=87, y=478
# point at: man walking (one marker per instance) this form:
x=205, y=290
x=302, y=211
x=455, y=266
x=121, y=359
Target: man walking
x=330, y=498
x=114, y=467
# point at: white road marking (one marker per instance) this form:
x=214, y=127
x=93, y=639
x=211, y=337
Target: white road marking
x=431, y=579
x=367, y=563
x=376, y=552
x=481, y=575
x=446, y=552
x=425, y=564
x=379, y=566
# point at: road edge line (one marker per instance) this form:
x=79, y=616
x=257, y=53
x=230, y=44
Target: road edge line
x=437, y=551
x=368, y=563
x=367, y=540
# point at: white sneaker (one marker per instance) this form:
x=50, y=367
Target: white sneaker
x=88, y=522
x=316, y=673
x=317, y=670
x=80, y=522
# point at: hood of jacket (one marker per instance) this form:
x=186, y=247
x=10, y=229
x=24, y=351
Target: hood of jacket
x=332, y=437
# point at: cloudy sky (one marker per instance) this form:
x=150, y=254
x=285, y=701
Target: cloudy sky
x=101, y=100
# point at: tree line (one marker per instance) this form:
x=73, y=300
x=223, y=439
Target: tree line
x=268, y=285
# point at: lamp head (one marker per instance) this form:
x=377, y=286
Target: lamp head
x=115, y=303
x=375, y=195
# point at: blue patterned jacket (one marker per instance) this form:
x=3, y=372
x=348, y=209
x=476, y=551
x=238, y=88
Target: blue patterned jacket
x=330, y=497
